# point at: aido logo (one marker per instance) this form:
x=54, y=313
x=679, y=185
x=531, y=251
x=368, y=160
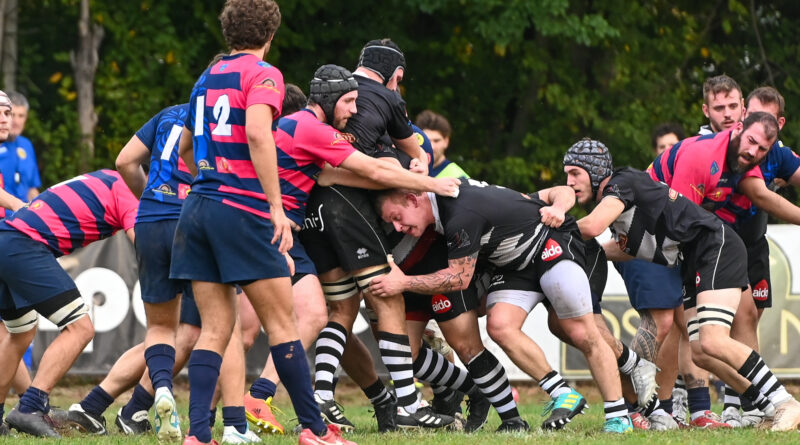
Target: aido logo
x=551, y=251
x=761, y=291
x=441, y=304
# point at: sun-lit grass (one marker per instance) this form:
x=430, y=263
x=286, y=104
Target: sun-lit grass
x=585, y=429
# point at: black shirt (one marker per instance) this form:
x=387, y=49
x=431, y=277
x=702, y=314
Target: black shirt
x=657, y=219
x=380, y=111
x=501, y=225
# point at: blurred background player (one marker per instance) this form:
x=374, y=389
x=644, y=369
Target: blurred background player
x=438, y=130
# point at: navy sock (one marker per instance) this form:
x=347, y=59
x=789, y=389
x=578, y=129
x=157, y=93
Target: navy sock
x=97, y=402
x=203, y=375
x=34, y=399
x=213, y=419
x=234, y=416
x=160, y=361
x=699, y=399
x=292, y=366
x=666, y=405
x=262, y=388
x=141, y=400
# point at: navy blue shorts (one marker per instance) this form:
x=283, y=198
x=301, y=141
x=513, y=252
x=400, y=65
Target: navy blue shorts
x=154, y=254
x=29, y=272
x=189, y=313
x=302, y=262
x=218, y=243
x=650, y=285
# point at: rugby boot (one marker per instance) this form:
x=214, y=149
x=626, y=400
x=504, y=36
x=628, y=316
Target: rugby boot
x=563, y=409
x=259, y=414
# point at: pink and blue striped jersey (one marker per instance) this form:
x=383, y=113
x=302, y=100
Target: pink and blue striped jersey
x=696, y=168
x=169, y=180
x=77, y=212
x=217, y=111
x=304, y=145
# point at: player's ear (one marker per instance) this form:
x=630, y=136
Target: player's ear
x=412, y=200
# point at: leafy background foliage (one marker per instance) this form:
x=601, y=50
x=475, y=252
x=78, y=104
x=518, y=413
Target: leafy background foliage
x=519, y=80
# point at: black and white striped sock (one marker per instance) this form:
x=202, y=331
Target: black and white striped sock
x=759, y=374
x=377, y=393
x=328, y=354
x=731, y=398
x=627, y=360
x=757, y=399
x=396, y=355
x=432, y=367
x=554, y=384
x=615, y=409
x=491, y=379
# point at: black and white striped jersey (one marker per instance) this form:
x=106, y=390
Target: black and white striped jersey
x=657, y=220
x=501, y=225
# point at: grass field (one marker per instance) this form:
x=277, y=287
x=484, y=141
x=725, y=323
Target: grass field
x=586, y=429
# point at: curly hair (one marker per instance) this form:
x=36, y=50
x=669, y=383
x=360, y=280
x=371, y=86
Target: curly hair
x=249, y=24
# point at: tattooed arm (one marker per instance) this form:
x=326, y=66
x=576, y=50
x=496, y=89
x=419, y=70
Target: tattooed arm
x=644, y=342
x=457, y=276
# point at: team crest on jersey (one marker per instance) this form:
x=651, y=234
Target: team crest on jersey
x=269, y=84
x=673, y=194
x=420, y=139
x=459, y=240
x=362, y=253
x=203, y=164
x=340, y=138
x=21, y=153
x=714, y=168
x=183, y=190
x=36, y=205
x=441, y=304
x=223, y=166
x=349, y=137
x=165, y=189
x=552, y=250
x=222, y=67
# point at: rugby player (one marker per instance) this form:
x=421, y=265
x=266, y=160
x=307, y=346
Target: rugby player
x=67, y=216
x=652, y=221
x=508, y=230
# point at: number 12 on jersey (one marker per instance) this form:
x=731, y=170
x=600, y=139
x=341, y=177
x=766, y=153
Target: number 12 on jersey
x=222, y=111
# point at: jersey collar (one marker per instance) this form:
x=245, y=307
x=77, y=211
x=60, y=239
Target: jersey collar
x=435, y=207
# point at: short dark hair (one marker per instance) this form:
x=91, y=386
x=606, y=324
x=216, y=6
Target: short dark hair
x=294, y=100
x=719, y=84
x=249, y=24
x=769, y=122
x=665, y=129
x=766, y=95
x=428, y=120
